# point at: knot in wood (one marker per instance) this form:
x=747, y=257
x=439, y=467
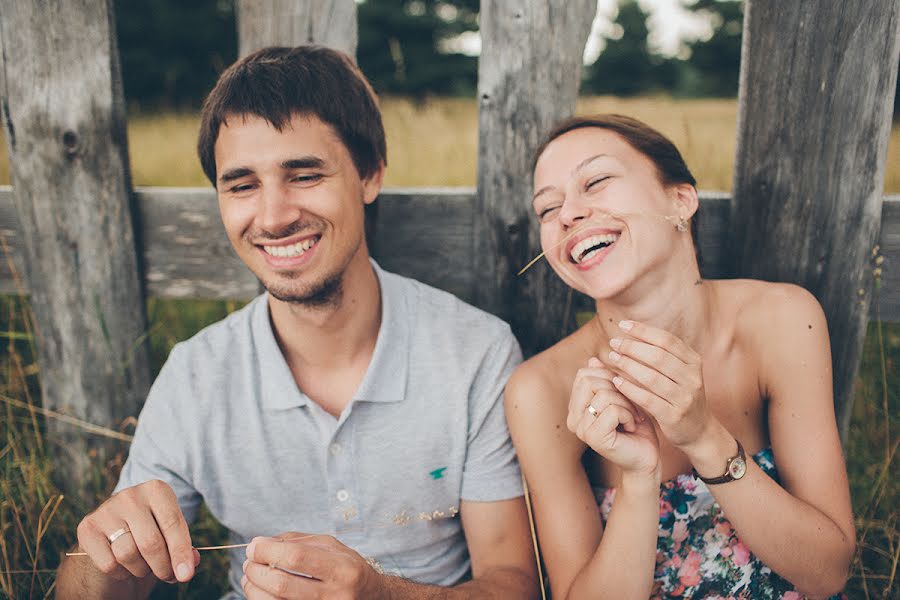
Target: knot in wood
x=70, y=143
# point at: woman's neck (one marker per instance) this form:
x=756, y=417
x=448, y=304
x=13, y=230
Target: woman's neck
x=677, y=301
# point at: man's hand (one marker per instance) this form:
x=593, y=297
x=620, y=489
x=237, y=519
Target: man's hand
x=138, y=531
x=333, y=569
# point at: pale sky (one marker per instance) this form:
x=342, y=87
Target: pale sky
x=668, y=24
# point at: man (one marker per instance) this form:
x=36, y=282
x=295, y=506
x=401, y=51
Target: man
x=355, y=413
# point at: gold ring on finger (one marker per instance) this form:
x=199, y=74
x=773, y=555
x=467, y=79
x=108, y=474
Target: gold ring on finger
x=117, y=534
x=594, y=412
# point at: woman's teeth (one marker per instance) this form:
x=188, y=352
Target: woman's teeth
x=292, y=250
x=589, y=247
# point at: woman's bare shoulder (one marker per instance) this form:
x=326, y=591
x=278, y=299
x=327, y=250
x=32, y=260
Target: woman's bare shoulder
x=766, y=304
x=540, y=386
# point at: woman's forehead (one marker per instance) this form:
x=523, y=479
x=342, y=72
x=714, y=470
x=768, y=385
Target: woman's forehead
x=580, y=148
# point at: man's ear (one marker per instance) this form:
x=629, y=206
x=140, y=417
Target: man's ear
x=687, y=202
x=372, y=185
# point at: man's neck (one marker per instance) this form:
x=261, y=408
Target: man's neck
x=329, y=337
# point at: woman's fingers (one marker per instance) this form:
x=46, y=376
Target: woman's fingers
x=661, y=339
x=655, y=406
x=647, y=377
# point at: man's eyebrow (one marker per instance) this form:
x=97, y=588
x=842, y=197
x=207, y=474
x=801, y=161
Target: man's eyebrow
x=304, y=162
x=236, y=173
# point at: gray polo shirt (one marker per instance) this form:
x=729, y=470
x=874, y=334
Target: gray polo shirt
x=225, y=423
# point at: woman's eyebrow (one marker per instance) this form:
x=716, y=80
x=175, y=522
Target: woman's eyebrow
x=580, y=166
x=586, y=162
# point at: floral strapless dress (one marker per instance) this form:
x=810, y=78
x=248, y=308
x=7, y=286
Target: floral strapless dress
x=698, y=554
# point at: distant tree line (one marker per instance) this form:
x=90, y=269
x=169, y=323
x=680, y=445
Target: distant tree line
x=172, y=51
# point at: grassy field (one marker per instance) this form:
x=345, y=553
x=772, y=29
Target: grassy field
x=436, y=143
x=433, y=144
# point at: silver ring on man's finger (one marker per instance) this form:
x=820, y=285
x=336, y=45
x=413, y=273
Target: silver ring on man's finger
x=594, y=412
x=117, y=534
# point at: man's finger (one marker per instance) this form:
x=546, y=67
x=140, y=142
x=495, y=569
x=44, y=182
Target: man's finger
x=129, y=556
x=297, y=554
x=151, y=545
x=175, y=531
x=273, y=579
x=254, y=592
x=94, y=542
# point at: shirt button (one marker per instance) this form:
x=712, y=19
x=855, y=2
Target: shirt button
x=343, y=495
x=335, y=448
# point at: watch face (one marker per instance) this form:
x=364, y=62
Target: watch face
x=737, y=468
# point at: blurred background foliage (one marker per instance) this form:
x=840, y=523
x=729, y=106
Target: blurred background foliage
x=172, y=51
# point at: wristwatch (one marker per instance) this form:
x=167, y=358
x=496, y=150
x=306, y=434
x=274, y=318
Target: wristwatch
x=735, y=468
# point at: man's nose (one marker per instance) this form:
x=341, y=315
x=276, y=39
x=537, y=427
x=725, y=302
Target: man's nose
x=276, y=210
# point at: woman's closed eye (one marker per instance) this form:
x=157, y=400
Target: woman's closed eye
x=547, y=211
x=594, y=182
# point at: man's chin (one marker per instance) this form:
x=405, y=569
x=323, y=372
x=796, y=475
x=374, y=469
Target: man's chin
x=322, y=294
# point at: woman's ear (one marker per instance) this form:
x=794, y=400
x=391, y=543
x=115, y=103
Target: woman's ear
x=685, y=197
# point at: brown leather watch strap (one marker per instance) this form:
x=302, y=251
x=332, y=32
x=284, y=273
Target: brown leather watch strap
x=733, y=470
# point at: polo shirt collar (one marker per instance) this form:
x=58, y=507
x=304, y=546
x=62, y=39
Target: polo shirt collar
x=385, y=379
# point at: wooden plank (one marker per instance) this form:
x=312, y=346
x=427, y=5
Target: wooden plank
x=64, y=123
x=528, y=76
x=811, y=147
x=263, y=23
x=427, y=234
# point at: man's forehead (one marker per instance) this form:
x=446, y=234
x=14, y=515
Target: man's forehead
x=250, y=136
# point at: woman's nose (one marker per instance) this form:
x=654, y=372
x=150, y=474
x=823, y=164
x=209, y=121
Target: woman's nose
x=572, y=211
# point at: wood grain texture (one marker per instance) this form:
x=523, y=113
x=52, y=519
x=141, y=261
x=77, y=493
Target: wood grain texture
x=816, y=95
x=64, y=120
x=528, y=77
x=264, y=23
x=427, y=234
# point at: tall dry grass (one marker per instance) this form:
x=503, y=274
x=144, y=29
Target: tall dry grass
x=435, y=143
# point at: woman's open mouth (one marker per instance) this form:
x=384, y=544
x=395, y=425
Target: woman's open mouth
x=591, y=246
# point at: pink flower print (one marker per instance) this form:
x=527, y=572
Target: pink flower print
x=791, y=596
x=665, y=508
x=726, y=551
x=689, y=573
x=723, y=528
x=742, y=555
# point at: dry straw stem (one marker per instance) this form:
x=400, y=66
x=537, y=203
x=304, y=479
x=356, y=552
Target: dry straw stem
x=89, y=427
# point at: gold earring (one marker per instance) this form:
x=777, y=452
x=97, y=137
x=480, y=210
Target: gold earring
x=681, y=225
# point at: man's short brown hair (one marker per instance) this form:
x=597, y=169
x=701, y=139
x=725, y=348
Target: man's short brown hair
x=279, y=83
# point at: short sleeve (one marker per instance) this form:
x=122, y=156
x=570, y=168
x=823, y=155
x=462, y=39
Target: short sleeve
x=491, y=470
x=161, y=447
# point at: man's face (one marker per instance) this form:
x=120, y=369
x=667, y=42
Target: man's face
x=292, y=204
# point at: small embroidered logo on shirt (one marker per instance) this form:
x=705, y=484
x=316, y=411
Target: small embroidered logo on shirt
x=438, y=473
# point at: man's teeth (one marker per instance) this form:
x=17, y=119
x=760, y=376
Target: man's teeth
x=292, y=250
x=589, y=247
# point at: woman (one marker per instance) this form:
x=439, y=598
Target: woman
x=676, y=379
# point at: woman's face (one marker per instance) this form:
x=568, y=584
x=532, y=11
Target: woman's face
x=605, y=217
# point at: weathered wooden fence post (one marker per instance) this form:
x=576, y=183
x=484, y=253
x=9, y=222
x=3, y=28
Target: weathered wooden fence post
x=64, y=122
x=528, y=77
x=816, y=92
x=329, y=23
